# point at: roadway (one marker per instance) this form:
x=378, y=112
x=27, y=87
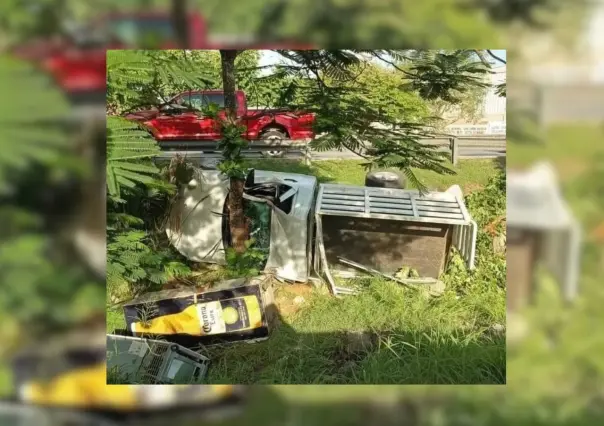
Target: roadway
x=464, y=153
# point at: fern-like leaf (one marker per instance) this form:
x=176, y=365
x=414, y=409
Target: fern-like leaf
x=127, y=148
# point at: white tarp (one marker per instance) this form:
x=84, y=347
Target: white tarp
x=195, y=225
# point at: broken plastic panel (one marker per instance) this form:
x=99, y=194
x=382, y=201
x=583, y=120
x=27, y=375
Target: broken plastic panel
x=537, y=212
x=422, y=220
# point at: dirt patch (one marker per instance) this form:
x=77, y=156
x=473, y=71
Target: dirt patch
x=492, y=228
x=290, y=298
x=472, y=187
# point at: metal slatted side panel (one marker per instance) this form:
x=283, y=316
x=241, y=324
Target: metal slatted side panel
x=464, y=240
x=342, y=200
x=393, y=204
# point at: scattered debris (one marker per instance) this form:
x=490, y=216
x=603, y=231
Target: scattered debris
x=290, y=298
x=436, y=288
x=359, y=341
x=498, y=328
x=491, y=228
x=402, y=273
x=409, y=282
x=160, y=362
x=499, y=244
x=406, y=272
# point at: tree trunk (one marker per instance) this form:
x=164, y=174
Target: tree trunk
x=228, y=82
x=237, y=221
x=180, y=22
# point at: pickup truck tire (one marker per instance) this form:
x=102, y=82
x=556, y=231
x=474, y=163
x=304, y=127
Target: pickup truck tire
x=273, y=133
x=383, y=179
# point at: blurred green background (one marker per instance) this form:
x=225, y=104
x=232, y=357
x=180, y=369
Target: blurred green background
x=554, y=374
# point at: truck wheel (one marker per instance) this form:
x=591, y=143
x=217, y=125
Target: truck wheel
x=384, y=180
x=273, y=134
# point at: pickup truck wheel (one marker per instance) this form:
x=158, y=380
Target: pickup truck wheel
x=384, y=179
x=275, y=135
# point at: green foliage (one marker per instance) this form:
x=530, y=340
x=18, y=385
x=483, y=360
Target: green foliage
x=489, y=203
x=344, y=120
x=129, y=153
x=487, y=208
x=231, y=143
x=344, y=95
x=438, y=75
x=133, y=260
x=137, y=257
x=44, y=288
x=147, y=78
x=43, y=291
x=464, y=101
x=246, y=264
x=32, y=134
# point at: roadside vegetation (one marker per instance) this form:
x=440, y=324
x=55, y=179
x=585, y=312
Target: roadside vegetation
x=388, y=334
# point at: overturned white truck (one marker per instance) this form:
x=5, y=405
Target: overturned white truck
x=313, y=227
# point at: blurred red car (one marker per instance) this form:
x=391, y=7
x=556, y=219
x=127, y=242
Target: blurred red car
x=77, y=63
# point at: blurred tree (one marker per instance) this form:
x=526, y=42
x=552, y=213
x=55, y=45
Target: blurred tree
x=39, y=171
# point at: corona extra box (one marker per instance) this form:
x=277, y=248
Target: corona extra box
x=230, y=311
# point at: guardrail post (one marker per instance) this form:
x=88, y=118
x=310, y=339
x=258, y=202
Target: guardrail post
x=307, y=154
x=454, y=145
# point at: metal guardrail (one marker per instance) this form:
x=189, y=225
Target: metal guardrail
x=208, y=149
x=454, y=145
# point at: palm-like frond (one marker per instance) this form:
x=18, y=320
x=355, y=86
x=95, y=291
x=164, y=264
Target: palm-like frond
x=140, y=77
x=128, y=146
x=333, y=64
x=33, y=118
x=439, y=75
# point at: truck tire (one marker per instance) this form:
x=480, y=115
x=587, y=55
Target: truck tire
x=382, y=179
x=273, y=133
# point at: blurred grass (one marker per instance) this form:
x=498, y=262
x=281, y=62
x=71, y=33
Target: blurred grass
x=570, y=148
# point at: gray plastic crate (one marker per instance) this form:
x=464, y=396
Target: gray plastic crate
x=138, y=360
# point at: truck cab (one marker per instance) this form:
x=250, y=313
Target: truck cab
x=180, y=122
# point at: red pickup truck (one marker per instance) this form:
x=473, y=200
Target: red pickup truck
x=180, y=123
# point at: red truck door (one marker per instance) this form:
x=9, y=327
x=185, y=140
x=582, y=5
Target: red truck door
x=188, y=125
x=216, y=98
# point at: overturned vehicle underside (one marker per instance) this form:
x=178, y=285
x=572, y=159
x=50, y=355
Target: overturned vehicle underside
x=199, y=228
